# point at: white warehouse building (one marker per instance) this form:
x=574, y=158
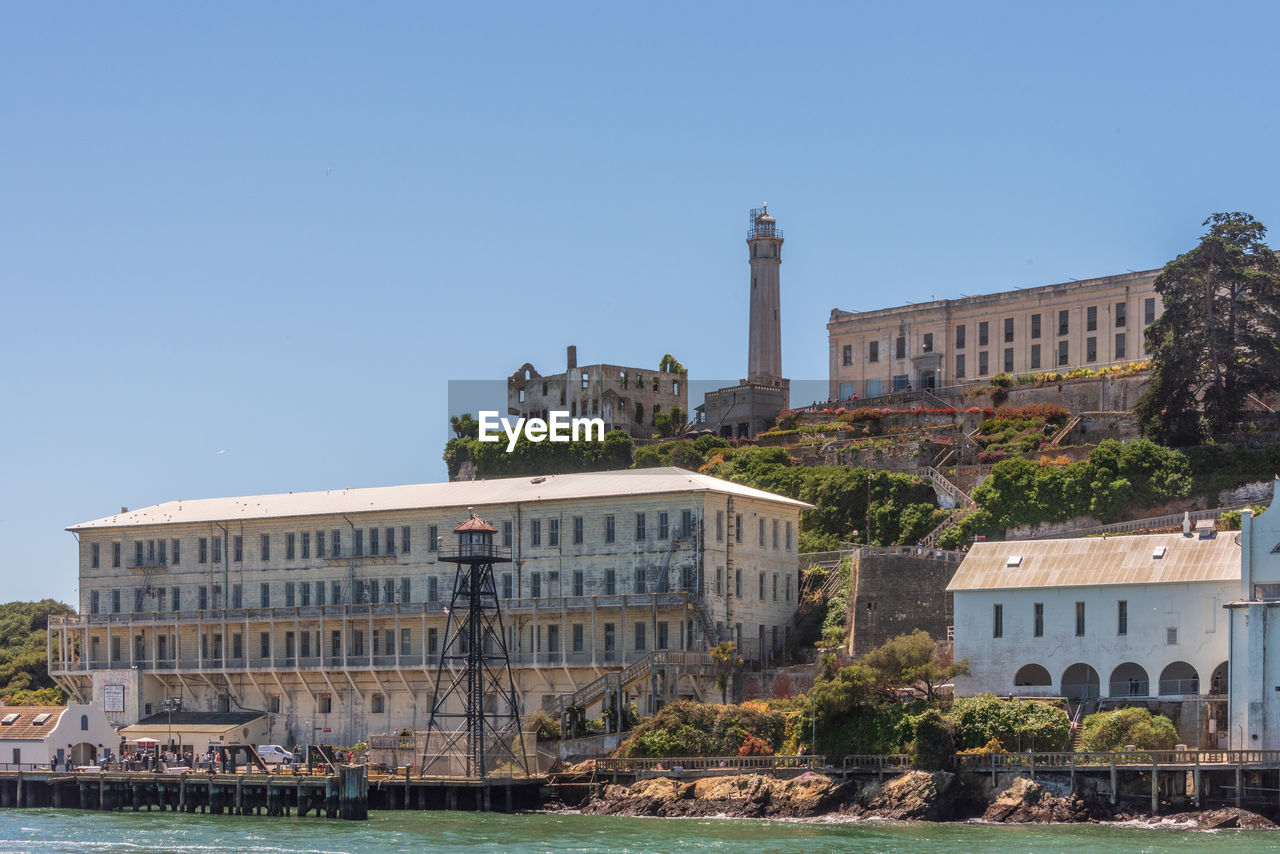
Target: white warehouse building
x=1102, y=620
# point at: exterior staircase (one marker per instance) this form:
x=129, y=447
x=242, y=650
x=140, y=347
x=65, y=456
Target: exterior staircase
x=1064, y=432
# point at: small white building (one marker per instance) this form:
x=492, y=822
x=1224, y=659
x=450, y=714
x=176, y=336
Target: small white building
x=33, y=735
x=1116, y=618
x=1255, y=646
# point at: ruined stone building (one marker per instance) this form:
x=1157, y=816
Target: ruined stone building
x=625, y=398
x=748, y=408
x=327, y=609
x=1062, y=327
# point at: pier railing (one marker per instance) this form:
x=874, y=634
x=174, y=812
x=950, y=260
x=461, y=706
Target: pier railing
x=1225, y=758
x=715, y=764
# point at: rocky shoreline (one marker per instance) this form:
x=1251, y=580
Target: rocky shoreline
x=915, y=796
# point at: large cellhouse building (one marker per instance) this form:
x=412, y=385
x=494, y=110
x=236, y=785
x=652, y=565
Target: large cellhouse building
x=1062, y=327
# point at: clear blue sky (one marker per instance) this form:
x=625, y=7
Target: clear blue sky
x=280, y=229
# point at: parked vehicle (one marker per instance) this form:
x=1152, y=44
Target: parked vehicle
x=274, y=754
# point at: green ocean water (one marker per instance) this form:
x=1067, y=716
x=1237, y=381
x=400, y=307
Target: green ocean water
x=76, y=831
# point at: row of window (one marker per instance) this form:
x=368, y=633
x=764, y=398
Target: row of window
x=984, y=336
x=1064, y=356
x=168, y=552
x=1122, y=621
x=382, y=541
x=400, y=590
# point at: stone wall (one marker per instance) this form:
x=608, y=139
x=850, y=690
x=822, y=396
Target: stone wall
x=896, y=594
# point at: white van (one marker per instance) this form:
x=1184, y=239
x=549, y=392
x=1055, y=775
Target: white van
x=274, y=754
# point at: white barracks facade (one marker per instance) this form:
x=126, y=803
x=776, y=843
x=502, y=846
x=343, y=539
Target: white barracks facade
x=326, y=609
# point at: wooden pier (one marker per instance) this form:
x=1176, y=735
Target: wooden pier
x=348, y=794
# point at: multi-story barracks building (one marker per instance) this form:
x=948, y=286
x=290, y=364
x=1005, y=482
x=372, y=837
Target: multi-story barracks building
x=326, y=609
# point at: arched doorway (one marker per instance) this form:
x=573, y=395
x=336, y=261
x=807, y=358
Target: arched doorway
x=1129, y=680
x=83, y=753
x=1080, y=682
x=1179, y=678
x=1218, y=681
x=1032, y=675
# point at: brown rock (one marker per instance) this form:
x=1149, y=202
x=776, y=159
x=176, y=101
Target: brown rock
x=916, y=795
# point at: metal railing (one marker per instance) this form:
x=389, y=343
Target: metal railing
x=1068, y=759
x=877, y=762
x=717, y=764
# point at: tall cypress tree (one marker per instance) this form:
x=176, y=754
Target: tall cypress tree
x=1218, y=339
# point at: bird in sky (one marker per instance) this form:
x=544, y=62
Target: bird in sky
x=222, y=450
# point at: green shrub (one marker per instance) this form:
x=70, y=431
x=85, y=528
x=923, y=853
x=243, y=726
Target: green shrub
x=933, y=748
x=1025, y=725
x=1107, y=731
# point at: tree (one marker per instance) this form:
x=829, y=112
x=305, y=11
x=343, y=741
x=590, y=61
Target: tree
x=23, y=635
x=914, y=659
x=464, y=426
x=1217, y=340
x=726, y=660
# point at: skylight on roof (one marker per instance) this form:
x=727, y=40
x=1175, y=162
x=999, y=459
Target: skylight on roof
x=1159, y=552
x=1014, y=560
x=9, y=720
x=39, y=719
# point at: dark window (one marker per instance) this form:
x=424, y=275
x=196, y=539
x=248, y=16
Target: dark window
x=264, y=595
x=1008, y=330
x=873, y=351
x=553, y=532
x=405, y=541
x=1091, y=319
x=535, y=532
x=357, y=544
x=1008, y=359
x=1064, y=322
x=664, y=526
x=983, y=367
x=373, y=541
x=847, y=354
x=609, y=529
x=238, y=548
x=686, y=523
x=1038, y=628
x=93, y=560
x=640, y=532
x=900, y=347
x=960, y=366
x=579, y=583
x=1148, y=310
x=577, y=530
x=391, y=541
x=202, y=550
x=984, y=333
x=1062, y=353
x=928, y=342
x=577, y=637
x=506, y=534
x=1120, y=345
x=1079, y=619
x=737, y=527
x=1035, y=326
x=1122, y=617
x=335, y=547
x=177, y=551
x=288, y=546
x=115, y=554
x=997, y=620
x=266, y=547
x=306, y=545
x=1091, y=349
x=320, y=544
x=960, y=337
x=1035, y=357
x=433, y=538
x=1121, y=308
x=610, y=582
